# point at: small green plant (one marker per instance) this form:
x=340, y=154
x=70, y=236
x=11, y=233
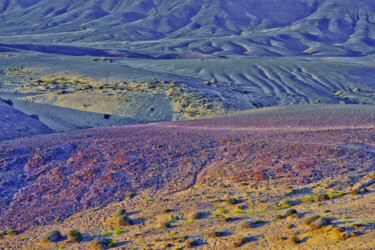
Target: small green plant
x=113, y=243
x=283, y=207
x=309, y=199
x=334, y=195
x=172, y=219
x=148, y=200
x=119, y=231
x=107, y=233
x=223, y=210
x=241, y=212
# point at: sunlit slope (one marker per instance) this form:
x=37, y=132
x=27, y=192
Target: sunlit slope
x=217, y=27
x=271, y=82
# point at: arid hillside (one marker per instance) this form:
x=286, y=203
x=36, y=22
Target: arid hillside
x=62, y=180
x=209, y=27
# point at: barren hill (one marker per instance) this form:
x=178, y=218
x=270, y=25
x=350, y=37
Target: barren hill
x=77, y=180
x=214, y=27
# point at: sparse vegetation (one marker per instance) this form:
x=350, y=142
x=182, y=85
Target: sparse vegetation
x=119, y=231
x=75, y=235
x=322, y=197
x=196, y=215
x=231, y=200
x=120, y=212
x=354, y=192
x=99, y=244
x=124, y=220
x=52, y=236
x=290, y=212
x=191, y=243
x=214, y=234
x=166, y=210
x=246, y=226
x=239, y=242
x=295, y=239
x=316, y=221
x=164, y=225
x=12, y=232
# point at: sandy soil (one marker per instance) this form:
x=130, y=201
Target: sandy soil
x=245, y=169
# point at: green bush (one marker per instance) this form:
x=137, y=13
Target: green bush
x=75, y=235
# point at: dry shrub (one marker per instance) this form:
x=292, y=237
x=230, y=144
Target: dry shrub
x=124, y=220
x=52, y=236
x=99, y=244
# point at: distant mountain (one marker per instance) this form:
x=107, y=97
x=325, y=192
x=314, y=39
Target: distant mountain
x=213, y=27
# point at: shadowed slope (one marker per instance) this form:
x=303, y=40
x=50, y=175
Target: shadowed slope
x=15, y=124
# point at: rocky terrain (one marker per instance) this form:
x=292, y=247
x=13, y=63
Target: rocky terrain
x=204, y=124
x=66, y=180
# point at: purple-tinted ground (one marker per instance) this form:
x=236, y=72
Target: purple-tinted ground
x=55, y=176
